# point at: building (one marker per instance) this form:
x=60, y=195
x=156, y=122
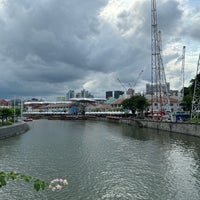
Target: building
x=70, y=94
x=130, y=92
x=60, y=99
x=109, y=94
x=118, y=93
x=149, y=89
x=84, y=94
x=4, y=103
x=172, y=106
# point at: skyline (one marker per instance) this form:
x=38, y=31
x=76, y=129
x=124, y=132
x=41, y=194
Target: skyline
x=49, y=47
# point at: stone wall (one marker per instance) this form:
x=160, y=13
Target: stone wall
x=13, y=130
x=181, y=127
x=176, y=127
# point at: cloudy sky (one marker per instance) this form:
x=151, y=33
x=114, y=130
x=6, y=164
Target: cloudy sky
x=48, y=47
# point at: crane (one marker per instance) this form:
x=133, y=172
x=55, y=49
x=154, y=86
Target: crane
x=122, y=85
x=139, y=75
x=182, y=72
x=135, y=83
x=131, y=87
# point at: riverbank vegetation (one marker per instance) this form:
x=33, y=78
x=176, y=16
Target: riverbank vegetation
x=188, y=93
x=136, y=103
x=8, y=115
x=197, y=120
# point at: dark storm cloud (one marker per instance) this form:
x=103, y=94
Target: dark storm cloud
x=47, y=41
x=170, y=16
x=50, y=46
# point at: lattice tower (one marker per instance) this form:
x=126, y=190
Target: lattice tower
x=195, y=112
x=158, y=78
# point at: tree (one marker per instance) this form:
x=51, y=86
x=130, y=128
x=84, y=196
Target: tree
x=8, y=113
x=188, y=93
x=17, y=112
x=5, y=113
x=138, y=103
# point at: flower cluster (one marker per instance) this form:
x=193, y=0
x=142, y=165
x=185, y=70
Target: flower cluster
x=57, y=184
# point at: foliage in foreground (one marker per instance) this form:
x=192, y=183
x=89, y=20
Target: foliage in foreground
x=56, y=184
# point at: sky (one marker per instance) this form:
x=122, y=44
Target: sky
x=48, y=47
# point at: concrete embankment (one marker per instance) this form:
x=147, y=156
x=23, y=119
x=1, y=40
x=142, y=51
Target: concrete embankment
x=176, y=127
x=13, y=130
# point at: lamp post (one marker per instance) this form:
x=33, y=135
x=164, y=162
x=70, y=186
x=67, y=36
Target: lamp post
x=21, y=108
x=14, y=109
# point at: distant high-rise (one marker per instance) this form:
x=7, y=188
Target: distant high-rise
x=117, y=93
x=85, y=94
x=82, y=94
x=70, y=94
x=149, y=90
x=109, y=94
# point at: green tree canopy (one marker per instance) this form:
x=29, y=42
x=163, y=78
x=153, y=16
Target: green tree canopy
x=188, y=93
x=5, y=113
x=135, y=103
x=8, y=113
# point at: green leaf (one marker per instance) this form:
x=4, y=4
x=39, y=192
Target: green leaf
x=43, y=185
x=37, y=185
x=2, y=181
x=26, y=178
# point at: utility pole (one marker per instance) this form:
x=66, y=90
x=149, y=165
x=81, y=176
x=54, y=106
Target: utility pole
x=195, y=112
x=14, y=111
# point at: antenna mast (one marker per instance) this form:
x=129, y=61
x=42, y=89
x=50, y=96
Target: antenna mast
x=159, y=87
x=155, y=60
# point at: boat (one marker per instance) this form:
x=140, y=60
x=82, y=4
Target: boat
x=28, y=120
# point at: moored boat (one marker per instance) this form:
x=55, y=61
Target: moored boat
x=28, y=120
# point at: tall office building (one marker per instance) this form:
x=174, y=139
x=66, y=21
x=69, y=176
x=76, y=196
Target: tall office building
x=84, y=94
x=117, y=93
x=70, y=94
x=109, y=94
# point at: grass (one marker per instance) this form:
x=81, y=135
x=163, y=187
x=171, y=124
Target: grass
x=5, y=123
x=196, y=120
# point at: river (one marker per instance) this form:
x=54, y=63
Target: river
x=102, y=161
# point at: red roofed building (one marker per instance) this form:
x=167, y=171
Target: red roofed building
x=117, y=103
x=174, y=104
x=4, y=103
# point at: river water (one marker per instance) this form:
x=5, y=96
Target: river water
x=102, y=161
